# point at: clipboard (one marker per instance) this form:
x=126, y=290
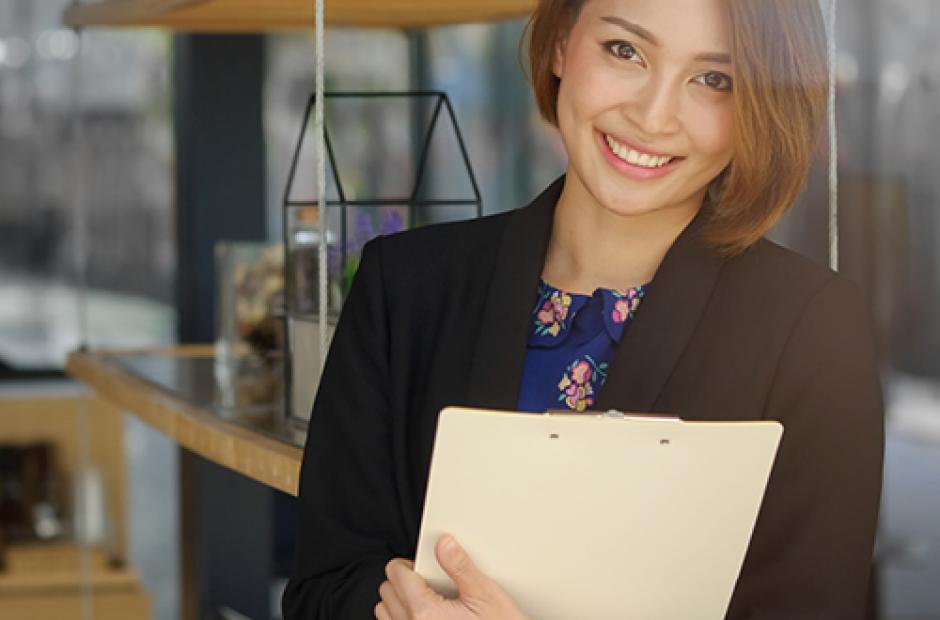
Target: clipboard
x=598, y=516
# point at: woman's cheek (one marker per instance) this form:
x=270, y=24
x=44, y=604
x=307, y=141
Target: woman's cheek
x=712, y=133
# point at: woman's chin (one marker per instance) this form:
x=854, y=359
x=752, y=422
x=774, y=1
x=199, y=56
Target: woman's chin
x=631, y=207
x=619, y=202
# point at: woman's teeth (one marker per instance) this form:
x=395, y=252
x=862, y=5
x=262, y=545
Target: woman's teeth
x=636, y=158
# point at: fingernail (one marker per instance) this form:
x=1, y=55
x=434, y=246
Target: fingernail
x=448, y=544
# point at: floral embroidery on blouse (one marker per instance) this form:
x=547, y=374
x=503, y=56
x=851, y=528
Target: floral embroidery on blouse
x=552, y=311
x=577, y=384
x=575, y=337
x=626, y=303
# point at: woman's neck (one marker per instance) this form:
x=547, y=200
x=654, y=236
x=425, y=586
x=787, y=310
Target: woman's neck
x=592, y=247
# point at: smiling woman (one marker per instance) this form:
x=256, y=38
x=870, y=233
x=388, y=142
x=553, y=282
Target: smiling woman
x=639, y=281
x=772, y=121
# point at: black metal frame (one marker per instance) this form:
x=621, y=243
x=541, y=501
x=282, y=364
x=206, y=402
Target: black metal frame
x=441, y=103
x=11, y=373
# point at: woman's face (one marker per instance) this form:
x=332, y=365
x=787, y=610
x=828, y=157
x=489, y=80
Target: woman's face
x=645, y=104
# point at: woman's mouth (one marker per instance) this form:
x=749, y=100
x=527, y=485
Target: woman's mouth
x=633, y=163
x=637, y=158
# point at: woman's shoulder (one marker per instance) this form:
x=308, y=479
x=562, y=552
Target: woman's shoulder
x=794, y=287
x=444, y=249
x=770, y=268
x=460, y=234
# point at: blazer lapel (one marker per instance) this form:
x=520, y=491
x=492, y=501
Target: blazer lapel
x=653, y=343
x=674, y=303
x=500, y=348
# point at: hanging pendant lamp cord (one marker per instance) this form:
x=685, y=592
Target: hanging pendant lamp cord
x=833, y=142
x=318, y=123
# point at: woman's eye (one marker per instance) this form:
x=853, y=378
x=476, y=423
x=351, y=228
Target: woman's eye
x=717, y=81
x=622, y=49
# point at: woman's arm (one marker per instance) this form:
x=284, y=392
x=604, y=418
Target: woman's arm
x=810, y=555
x=349, y=527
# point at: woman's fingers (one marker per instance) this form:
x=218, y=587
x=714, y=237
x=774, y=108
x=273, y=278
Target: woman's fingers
x=381, y=612
x=410, y=587
x=393, y=605
x=471, y=583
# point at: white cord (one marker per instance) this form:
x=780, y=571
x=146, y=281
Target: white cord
x=318, y=109
x=833, y=143
x=80, y=202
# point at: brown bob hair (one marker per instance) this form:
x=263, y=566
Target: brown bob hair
x=779, y=54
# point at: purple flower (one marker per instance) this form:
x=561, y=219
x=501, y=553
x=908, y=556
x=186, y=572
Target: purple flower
x=333, y=259
x=363, y=230
x=392, y=221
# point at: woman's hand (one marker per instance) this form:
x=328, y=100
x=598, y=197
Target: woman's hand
x=406, y=596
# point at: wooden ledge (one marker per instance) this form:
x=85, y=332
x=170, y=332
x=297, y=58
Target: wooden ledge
x=261, y=458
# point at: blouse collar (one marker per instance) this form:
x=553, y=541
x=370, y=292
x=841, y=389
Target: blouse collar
x=558, y=314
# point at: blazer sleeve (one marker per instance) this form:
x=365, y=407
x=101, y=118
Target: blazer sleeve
x=348, y=525
x=811, y=551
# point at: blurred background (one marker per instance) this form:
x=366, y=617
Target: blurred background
x=127, y=156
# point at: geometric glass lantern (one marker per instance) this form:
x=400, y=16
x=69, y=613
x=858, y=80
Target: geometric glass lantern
x=395, y=160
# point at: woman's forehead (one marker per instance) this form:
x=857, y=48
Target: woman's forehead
x=696, y=25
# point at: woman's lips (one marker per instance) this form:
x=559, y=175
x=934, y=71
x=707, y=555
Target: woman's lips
x=634, y=171
x=634, y=147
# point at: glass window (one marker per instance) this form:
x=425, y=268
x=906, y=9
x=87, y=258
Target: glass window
x=123, y=96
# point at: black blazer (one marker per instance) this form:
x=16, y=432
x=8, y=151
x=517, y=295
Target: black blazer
x=439, y=316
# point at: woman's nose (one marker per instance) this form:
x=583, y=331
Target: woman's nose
x=655, y=107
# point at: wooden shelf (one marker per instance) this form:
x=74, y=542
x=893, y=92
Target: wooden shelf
x=275, y=15
x=142, y=383
x=45, y=582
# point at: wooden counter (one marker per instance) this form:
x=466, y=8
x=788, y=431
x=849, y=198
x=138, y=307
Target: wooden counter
x=183, y=393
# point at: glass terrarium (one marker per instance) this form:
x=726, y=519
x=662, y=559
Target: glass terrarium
x=395, y=160
x=249, y=324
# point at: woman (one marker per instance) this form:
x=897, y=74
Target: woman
x=689, y=127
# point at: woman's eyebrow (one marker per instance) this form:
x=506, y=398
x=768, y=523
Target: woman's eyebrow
x=640, y=31
x=636, y=29
x=716, y=57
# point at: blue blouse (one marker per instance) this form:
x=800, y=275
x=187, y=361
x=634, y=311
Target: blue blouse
x=572, y=342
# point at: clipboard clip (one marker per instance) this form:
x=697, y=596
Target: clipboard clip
x=614, y=414
x=641, y=417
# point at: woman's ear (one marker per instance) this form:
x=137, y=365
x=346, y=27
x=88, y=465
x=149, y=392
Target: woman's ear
x=558, y=58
